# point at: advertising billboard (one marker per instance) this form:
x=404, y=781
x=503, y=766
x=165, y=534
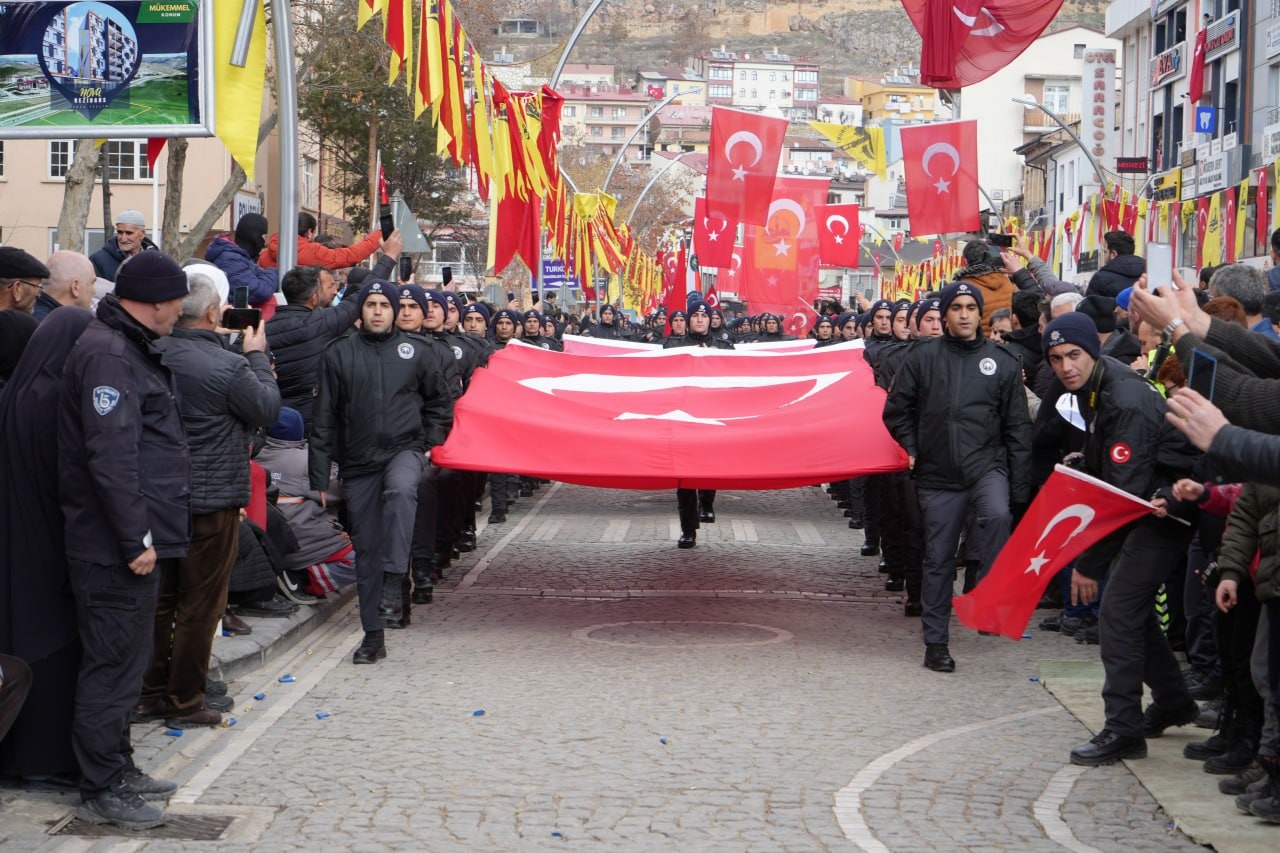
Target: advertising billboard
x=101, y=68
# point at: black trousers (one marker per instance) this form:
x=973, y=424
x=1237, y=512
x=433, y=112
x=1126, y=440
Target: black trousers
x=691, y=502
x=501, y=489
x=1237, y=629
x=115, y=611
x=1134, y=648
x=13, y=690
x=871, y=507
x=903, y=530
x=1201, y=614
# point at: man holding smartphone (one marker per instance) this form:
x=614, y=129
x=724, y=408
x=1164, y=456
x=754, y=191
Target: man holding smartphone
x=1130, y=446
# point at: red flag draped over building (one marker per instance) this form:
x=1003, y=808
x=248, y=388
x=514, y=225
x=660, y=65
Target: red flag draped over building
x=782, y=255
x=1071, y=513
x=839, y=234
x=966, y=41
x=687, y=418
x=941, y=163
x=1195, y=82
x=1262, y=242
x=713, y=236
x=742, y=164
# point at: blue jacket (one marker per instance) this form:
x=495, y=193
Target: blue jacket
x=242, y=270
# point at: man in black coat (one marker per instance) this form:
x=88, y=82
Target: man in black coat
x=959, y=410
x=1122, y=269
x=382, y=406
x=223, y=397
x=1130, y=446
x=125, y=490
x=300, y=329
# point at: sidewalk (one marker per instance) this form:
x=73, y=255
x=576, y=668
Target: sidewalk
x=271, y=638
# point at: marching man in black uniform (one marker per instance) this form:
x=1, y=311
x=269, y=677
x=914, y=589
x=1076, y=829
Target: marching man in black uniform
x=1129, y=445
x=696, y=505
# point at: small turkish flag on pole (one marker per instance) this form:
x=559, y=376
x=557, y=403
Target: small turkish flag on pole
x=743, y=164
x=839, y=234
x=712, y=236
x=941, y=162
x=1071, y=513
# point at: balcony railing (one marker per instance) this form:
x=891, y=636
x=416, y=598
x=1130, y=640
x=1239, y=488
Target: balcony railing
x=1039, y=118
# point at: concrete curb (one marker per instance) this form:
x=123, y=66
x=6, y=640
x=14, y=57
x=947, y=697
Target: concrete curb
x=271, y=638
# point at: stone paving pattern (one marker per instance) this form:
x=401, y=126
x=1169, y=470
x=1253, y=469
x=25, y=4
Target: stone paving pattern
x=675, y=732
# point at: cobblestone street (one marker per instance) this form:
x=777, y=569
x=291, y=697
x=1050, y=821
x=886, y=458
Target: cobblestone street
x=581, y=683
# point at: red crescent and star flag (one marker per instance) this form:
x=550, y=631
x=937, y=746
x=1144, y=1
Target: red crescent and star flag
x=941, y=163
x=713, y=236
x=742, y=164
x=1071, y=512
x=839, y=235
x=966, y=41
x=781, y=256
x=686, y=418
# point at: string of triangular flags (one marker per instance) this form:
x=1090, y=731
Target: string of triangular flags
x=510, y=141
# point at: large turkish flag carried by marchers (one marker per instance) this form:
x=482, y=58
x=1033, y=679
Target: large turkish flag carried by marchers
x=742, y=164
x=941, y=164
x=839, y=234
x=1071, y=512
x=688, y=417
x=966, y=41
x=713, y=236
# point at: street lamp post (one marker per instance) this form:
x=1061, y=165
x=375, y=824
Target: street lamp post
x=1029, y=102
x=653, y=182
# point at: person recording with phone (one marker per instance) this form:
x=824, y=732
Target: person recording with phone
x=223, y=396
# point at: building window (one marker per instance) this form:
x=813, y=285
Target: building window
x=719, y=72
x=754, y=94
x=773, y=76
x=742, y=75
x=597, y=112
x=806, y=76
x=618, y=132
x=308, y=181
x=773, y=94
x=742, y=93
x=754, y=75
x=1056, y=98
x=619, y=112
x=1079, y=51
x=570, y=111
x=806, y=94
x=720, y=91
x=127, y=160
x=597, y=130
x=60, y=153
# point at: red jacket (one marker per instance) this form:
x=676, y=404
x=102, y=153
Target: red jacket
x=312, y=254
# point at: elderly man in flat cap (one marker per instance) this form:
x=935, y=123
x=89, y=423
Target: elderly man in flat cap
x=22, y=277
x=130, y=239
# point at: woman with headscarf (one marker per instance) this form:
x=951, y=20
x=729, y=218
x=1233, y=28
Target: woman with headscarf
x=239, y=260
x=37, y=610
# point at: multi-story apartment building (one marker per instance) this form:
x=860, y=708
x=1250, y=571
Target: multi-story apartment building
x=757, y=82
x=602, y=117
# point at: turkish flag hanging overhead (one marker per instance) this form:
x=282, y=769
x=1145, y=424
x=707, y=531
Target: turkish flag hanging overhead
x=782, y=256
x=713, y=236
x=966, y=41
x=687, y=418
x=743, y=164
x=839, y=234
x=941, y=163
x=1071, y=512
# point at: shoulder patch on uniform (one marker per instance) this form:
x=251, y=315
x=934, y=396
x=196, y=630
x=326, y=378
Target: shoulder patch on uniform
x=987, y=367
x=105, y=399
x=1120, y=453
x=406, y=350
x=457, y=352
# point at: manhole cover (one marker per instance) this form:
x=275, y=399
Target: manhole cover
x=681, y=634
x=179, y=827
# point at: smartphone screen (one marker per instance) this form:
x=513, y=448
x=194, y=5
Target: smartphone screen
x=1204, y=374
x=1004, y=241
x=241, y=318
x=1159, y=265
x=386, y=221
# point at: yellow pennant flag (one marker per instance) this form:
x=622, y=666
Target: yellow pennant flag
x=367, y=9
x=1212, y=253
x=864, y=144
x=237, y=92
x=1140, y=230
x=1242, y=205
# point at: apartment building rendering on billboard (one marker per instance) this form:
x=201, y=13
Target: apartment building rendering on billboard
x=98, y=50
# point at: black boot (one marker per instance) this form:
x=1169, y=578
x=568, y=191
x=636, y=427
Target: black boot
x=372, y=648
x=389, y=609
x=423, y=585
x=467, y=541
x=406, y=600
